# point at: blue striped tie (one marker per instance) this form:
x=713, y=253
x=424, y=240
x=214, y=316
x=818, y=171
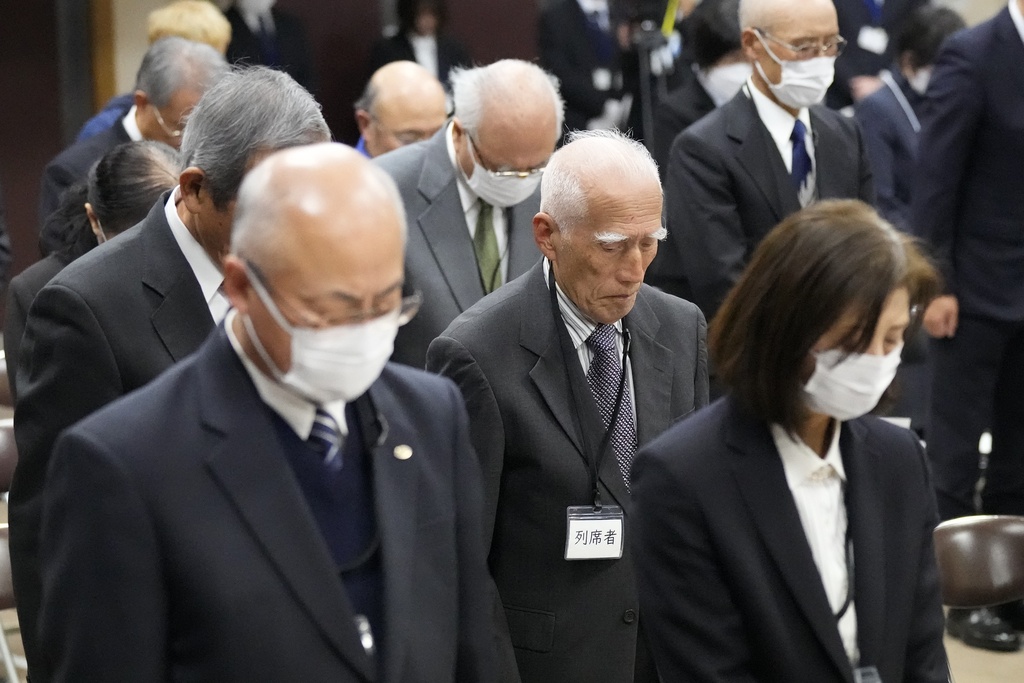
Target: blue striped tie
x=325, y=438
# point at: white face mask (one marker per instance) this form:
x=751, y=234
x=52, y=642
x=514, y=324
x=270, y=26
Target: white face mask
x=500, y=191
x=332, y=364
x=723, y=82
x=804, y=82
x=919, y=81
x=846, y=388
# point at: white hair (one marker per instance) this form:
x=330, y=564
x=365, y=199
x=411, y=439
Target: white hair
x=592, y=154
x=500, y=84
x=756, y=13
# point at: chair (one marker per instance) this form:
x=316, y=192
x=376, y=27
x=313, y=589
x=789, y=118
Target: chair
x=981, y=560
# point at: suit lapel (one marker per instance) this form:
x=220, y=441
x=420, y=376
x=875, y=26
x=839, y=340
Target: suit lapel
x=247, y=464
x=758, y=471
x=651, y=364
x=759, y=156
x=443, y=224
x=867, y=529
x=834, y=175
x=180, y=315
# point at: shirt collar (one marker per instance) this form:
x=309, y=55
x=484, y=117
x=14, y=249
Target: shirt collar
x=131, y=126
x=800, y=462
x=295, y=410
x=466, y=195
x=777, y=120
x=206, y=271
x=579, y=324
x=1018, y=18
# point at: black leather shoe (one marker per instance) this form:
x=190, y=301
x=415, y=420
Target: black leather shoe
x=982, y=628
x=1012, y=613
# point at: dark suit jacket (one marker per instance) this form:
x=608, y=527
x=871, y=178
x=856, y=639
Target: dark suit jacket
x=107, y=324
x=5, y=241
x=727, y=187
x=439, y=258
x=568, y=622
x=891, y=144
x=969, y=200
x=177, y=506
x=567, y=52
x=397, y=48
x=20, y=295
x=296, y=57
x=855, y=60
x=680, y=109
x=727, y=581
x=69, y=167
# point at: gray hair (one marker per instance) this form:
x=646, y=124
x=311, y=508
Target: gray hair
x=563, y=195
x=251, y=111
x=172, y=64
x=367, y=99
x=500, y=84
x=256, y=224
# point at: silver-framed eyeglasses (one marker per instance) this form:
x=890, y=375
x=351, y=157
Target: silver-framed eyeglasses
x=475, y=149
x=173, y=132
x=833, y=47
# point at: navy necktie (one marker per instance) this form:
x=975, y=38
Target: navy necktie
x=801, y=159
x=600, y=38
x=325, y=438
x=268, y=42
x=604, y=376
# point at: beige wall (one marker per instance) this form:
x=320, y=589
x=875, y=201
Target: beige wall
x=974, y=11
x=130, y=38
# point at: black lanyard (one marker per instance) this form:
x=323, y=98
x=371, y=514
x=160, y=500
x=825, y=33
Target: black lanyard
x=579, y=391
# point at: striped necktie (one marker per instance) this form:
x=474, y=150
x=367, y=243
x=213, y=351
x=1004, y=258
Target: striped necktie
x=326, y=439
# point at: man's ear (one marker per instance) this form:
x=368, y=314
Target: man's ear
x=546, y=234
x=363, y=120
x=236, y=283
x=192, y=181
x=750, y=44
x=140, y=99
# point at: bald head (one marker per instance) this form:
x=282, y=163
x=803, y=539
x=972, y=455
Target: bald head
x=403, y=103
x=771, y=14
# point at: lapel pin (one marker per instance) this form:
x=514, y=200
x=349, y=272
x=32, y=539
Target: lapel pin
x=403, y=452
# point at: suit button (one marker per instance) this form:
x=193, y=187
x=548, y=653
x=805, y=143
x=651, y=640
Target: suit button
x=629, y=617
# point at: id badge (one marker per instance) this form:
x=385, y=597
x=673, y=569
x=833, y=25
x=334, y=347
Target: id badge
x=593, y=534
x=602, y=79
x=873, y=39
x=866, y=674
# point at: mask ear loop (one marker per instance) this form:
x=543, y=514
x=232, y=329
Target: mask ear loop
x=260, y=349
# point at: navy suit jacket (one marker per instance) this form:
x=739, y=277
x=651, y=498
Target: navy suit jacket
x=728, y=586
x=296, y=56
x=969, y=199
x=178, y=545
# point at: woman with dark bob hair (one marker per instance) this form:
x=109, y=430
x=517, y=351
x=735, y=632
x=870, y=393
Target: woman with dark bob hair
x=782, y=534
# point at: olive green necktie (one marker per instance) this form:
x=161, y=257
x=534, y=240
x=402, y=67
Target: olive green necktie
x=485, y=244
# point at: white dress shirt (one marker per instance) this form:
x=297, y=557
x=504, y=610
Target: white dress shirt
x=780, y=123
x=424, y=49
x=817, y=486
x=295, y=410
x=471, y=208
x=206, y=271
x=1018, y=18
x=131, y=126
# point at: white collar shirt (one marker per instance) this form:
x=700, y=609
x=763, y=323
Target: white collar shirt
x=424, y=50
x=471, y=207
x=817, y=485
x=253, y=19
x=780, y=123
x=131, y=126
x=1018, y=18
x=206, y=272
x=297, y=412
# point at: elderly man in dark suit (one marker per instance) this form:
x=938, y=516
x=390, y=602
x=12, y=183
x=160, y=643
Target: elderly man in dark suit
x=743, y=168
x=119, y=316
x=284, y=505
x=969, y=203
x=173, y=76
x=565, y=371
x=470, y=193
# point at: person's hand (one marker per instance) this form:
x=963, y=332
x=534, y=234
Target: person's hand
x=941, y=316
x=863, y=86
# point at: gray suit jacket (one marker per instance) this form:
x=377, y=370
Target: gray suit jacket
x=440, y=262
x=567, y=622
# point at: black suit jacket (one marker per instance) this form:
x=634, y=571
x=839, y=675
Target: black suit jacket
x=727, y=187
x=69, y=167
x=177, y=506
x=107, y=324
x=397, y=48
x=440, y=261
x=567, y=52
x=296, y=57
x=5, y=241
x=969, y=199
x=680, y=109
x=855, y=60
x=567, y=622
x=727, y=580
x=20, y=295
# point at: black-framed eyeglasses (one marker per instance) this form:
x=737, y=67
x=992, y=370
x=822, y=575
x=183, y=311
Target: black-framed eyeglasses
x=833, y=47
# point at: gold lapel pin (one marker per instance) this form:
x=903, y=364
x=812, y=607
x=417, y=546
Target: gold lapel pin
x=403, y=452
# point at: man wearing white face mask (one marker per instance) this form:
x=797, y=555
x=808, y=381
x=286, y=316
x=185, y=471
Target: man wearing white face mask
x=471, y=192
x=330, y=523
x=766, y=153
